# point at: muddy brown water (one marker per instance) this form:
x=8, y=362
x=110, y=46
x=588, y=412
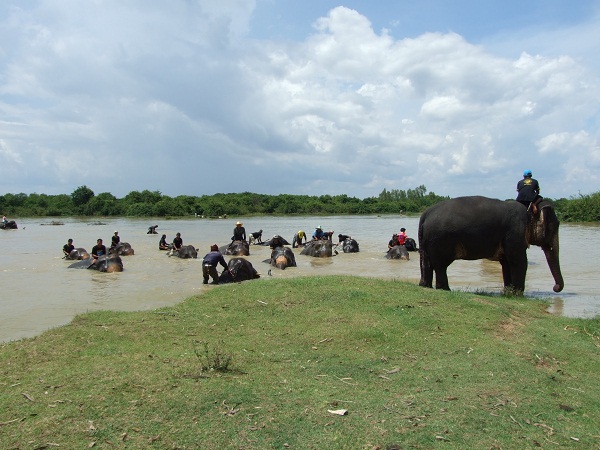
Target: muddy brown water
x=39, y=292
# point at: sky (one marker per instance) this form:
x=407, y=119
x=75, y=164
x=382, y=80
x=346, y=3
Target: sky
x=313, y=97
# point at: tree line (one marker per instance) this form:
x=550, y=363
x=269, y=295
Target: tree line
x=84, y=202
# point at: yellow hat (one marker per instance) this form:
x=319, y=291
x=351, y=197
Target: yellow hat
x=238, y=223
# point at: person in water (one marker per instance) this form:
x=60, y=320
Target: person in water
x=98, y=250
x=209, y=265
x=68, y=247
x=177, y=242
x=162, y=244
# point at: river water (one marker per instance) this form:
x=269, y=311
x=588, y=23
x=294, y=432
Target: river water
x=39, y=292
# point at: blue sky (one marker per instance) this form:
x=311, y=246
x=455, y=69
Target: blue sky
x=313, y=97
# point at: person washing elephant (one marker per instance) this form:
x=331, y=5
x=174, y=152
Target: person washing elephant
x=209, y=265
x=68, y=248
x=528, y=191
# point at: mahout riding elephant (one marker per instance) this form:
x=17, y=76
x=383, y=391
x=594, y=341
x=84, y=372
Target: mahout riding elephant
x=350, y=246
x=319, y=248
x=282, y=257
x=398, y=252
x=104, y=263
x=479, y=227
x=186, y=251
x=241, y=269
x=121, y=249
x=410, y=244
x=281, y=241
x=78, y=254
x=236, y=248
x=10, y=225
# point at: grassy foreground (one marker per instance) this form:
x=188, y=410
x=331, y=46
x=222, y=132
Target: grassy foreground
x=309, y=363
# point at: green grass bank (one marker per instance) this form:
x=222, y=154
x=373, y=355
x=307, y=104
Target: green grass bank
x=309, y=363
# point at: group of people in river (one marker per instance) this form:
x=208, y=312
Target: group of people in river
x=97, y=250
x=527, y=193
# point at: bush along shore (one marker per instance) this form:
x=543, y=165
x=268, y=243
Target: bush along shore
x=324, y=362
x=84, y=202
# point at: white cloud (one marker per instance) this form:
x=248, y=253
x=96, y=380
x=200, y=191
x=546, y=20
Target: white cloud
x=177, y=97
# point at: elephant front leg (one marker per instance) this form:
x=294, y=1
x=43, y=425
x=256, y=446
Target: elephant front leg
x=513, y=273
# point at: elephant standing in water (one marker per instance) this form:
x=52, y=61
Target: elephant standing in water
x=479, y=227
x=282, y=257
x=240, y=269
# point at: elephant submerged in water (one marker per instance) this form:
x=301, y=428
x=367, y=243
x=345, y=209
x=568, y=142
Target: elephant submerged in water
x=240, y=269
x=318, y=248
x=104, y=263
x=121, y=249
x=350, y=246
x=282, y=257
x=236, y=248
x=78, y=254
x=185, y=252
x=483, y=228
x=10, y=225
x=410, y=245
x=398, y=252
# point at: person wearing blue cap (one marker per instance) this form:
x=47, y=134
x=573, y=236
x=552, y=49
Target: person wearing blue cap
x=528, y=190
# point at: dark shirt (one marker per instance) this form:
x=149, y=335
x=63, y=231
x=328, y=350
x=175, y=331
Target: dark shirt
x=528, y=189
x=98, y=250
x=68, y=248
x=177, y=243
x=162, y=244
x=343, y=237
x=213, y=258
x=115, y=241
x=239, y=234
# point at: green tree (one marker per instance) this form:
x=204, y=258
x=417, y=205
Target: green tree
x=81, y=196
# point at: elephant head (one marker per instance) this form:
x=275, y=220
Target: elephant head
x=542, y=230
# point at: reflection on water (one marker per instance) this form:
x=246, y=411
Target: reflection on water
x=39, y=292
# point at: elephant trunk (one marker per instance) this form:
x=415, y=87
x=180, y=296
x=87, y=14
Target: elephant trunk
x=552, y=258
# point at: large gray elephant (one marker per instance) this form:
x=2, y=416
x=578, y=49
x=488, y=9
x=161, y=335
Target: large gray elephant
x=236, y=248
x=241, y=269
x=121, y=249
x=78, y=254
x=484, y=228
x=319, y=248
x=186, y=251
x=282, y=257
x=104, y=263
x=398, y=252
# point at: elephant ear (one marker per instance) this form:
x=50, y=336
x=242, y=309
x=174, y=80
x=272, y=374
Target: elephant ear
x=537, y=225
